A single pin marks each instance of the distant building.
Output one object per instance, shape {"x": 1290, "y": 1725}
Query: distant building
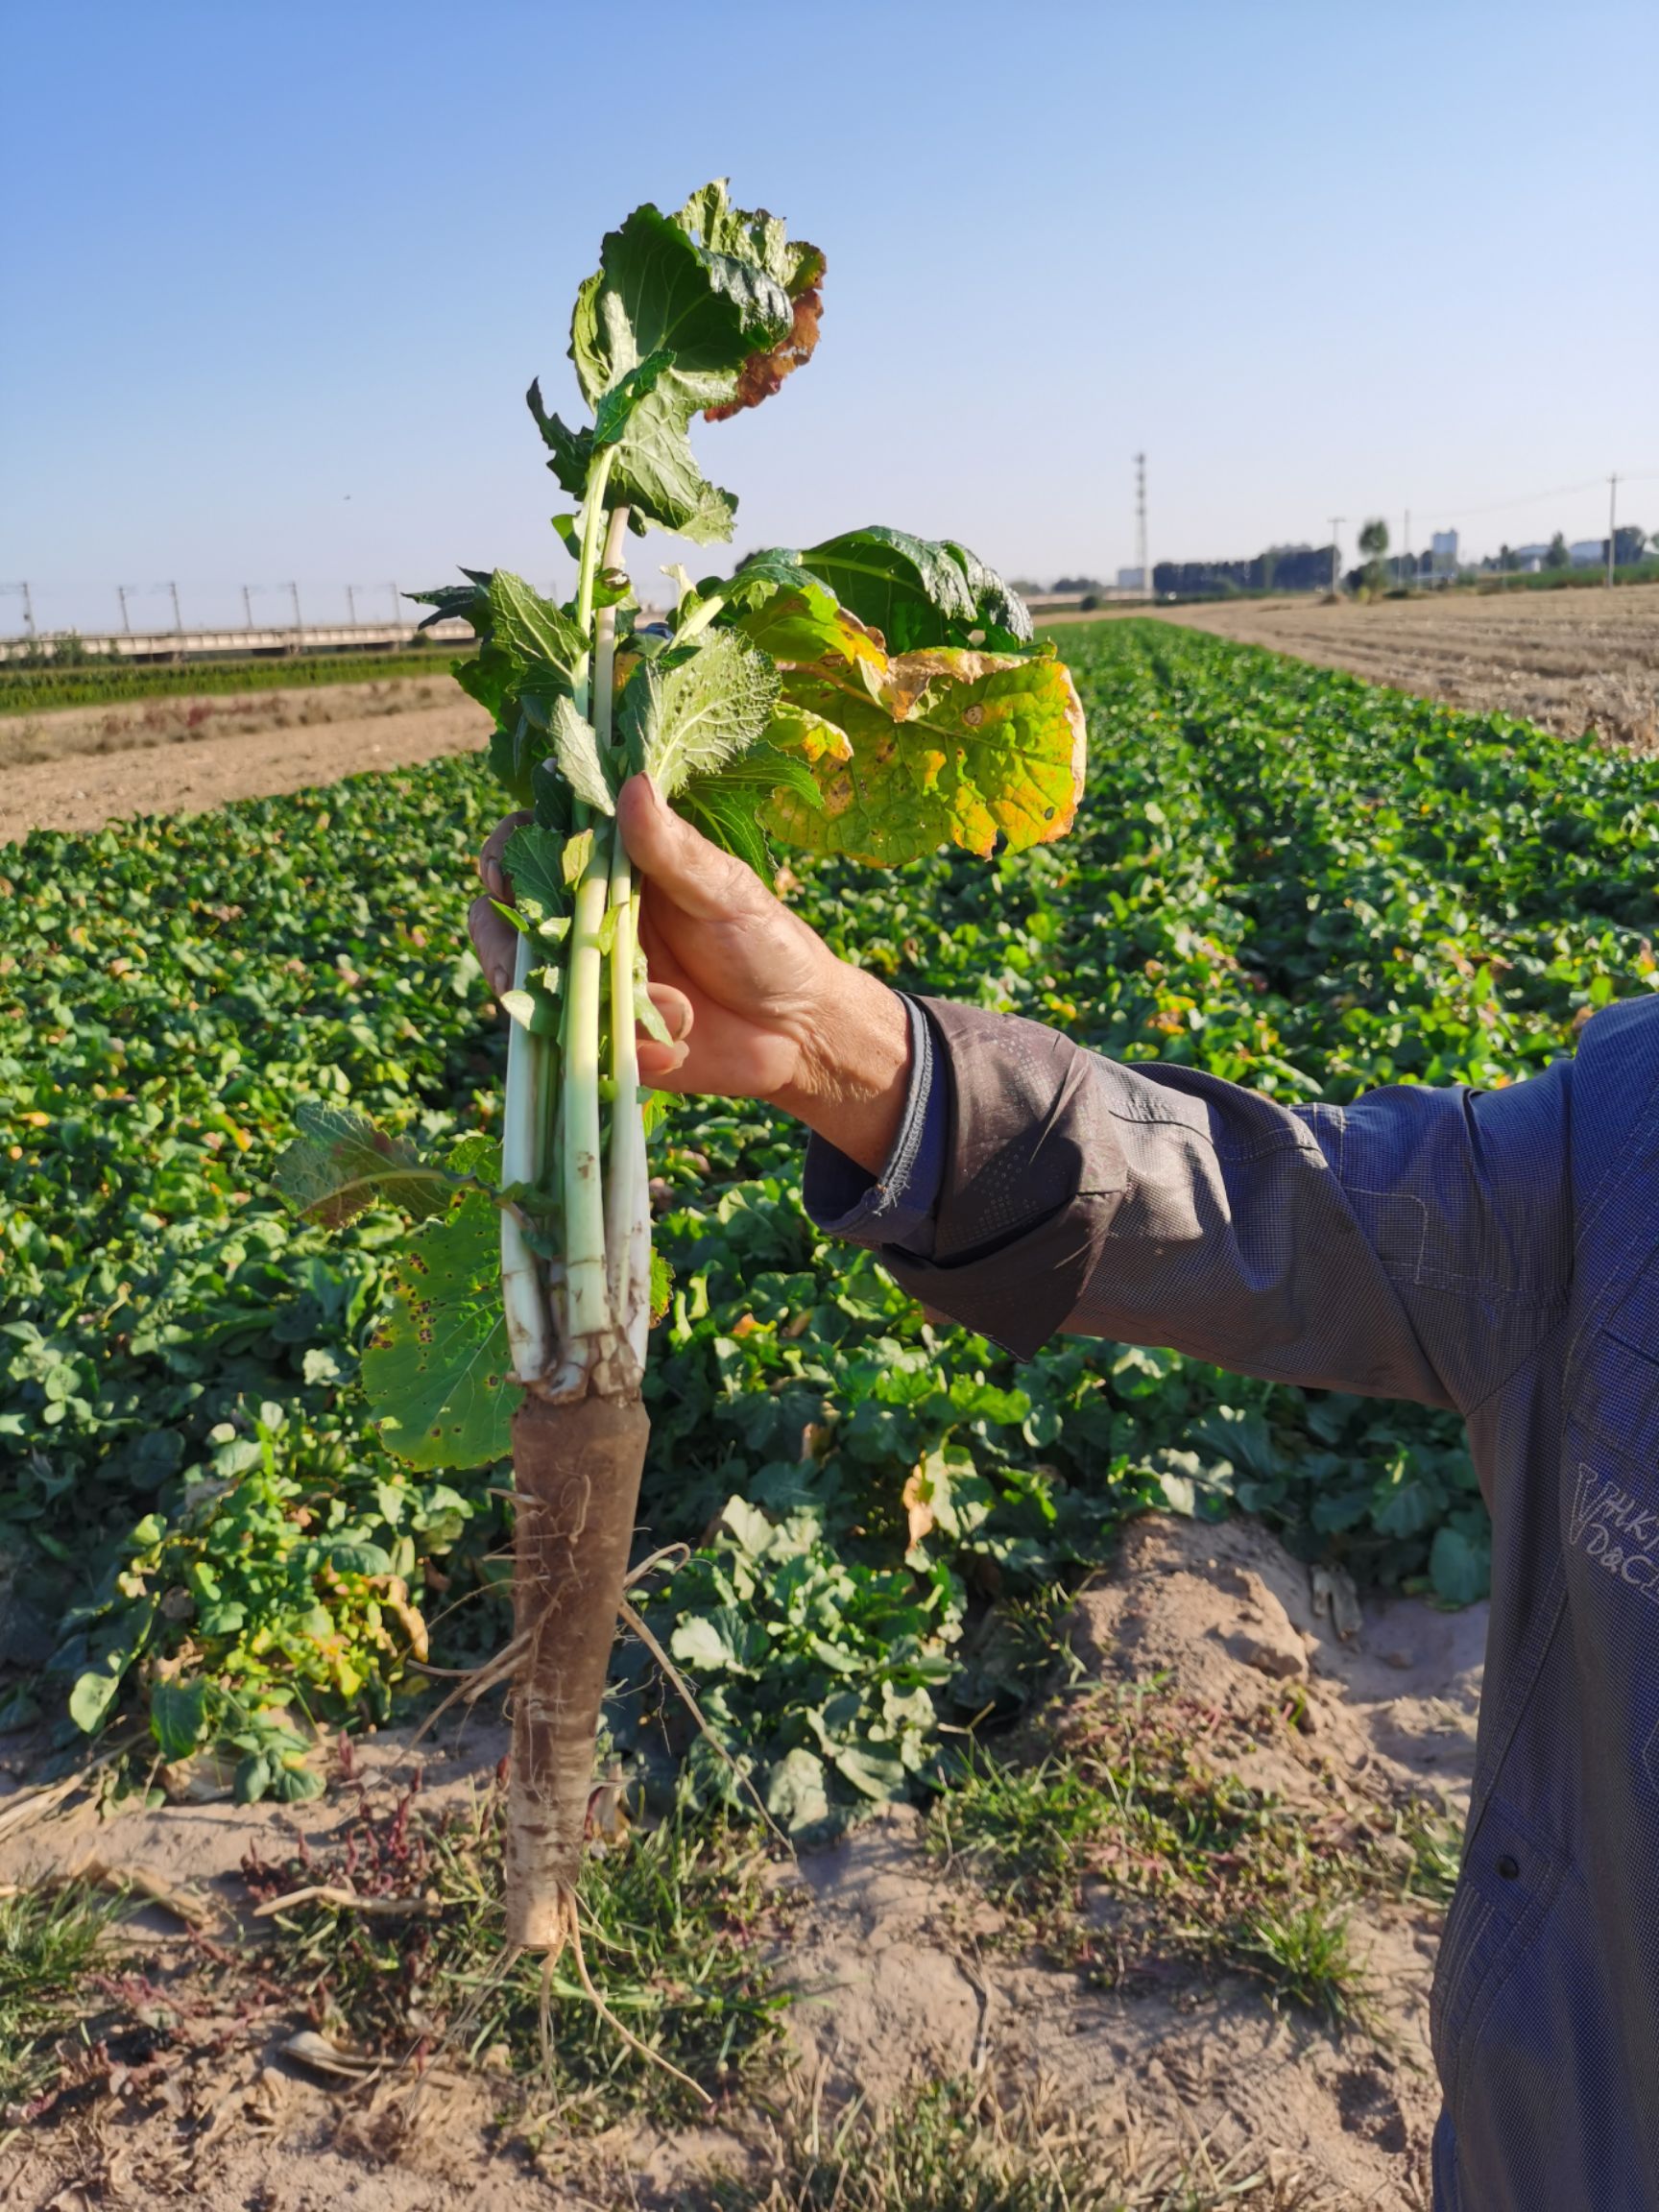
{"x": 1131, "y": 579}
{"x": 1443, "y": 553}
{"x": 1587, "y": 552}
{"x": 1528, "y": 559}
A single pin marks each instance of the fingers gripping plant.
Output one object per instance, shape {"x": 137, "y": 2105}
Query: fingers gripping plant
{"x": 873, "y": 696}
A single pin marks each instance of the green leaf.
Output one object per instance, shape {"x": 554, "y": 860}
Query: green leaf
{"x": 727, "y": 806}
{"x": 576, "y": 753}
{"x": 179, "y": 1717}
{"x": 656, "y": 473}
{"x": 340, "y": 1162}
{"x": 956, "y": 748}
{"x": 710, "y": 293}
{"x": 535, "y": 631}
{"x": 535, "y": 862}
{"x": 90, "y": 1699}
{"x": 873, "y": 1770}
{"x": 291, "y": 1783}
{"x": 572, "y": 450}
{"x": 795, "y": 1794}
{"x": 252, "y": 1778}
{"x": 611, "y": 415}
{"x": 681, "y": 719}
{"x": 438, "y": 1374}
{"x": 919, "y": 594}
{"x": 790, "y": 614}
{"x": 468, "y": 601}
{"x": 356, "y": 1557}
{"x": 723, "y": 1641}
{"x": 658, "y": 290}
{"x": 998, "y": 607}
{"x": 1459, "y": 1572}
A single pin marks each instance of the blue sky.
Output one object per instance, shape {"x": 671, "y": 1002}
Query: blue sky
{"x": 276, "y": 276}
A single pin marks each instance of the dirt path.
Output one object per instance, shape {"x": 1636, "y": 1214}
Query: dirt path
{"x": 1573, "y": 660}
{"x": 84, "y": 767}
{"x": 899, "y": 1965}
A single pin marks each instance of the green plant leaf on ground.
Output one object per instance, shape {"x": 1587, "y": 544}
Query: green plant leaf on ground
{"x": 1281, "y": 876}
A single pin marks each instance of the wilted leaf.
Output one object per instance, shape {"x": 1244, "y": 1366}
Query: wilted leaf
{"x": 340, "y": 1162}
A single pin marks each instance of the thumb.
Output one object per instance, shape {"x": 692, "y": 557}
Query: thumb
{"x": 701, "y": 879}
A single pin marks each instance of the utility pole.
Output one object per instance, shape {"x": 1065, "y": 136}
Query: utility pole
{"x": 247, "y": 608}
{"x": 397, "y": 605}
{"x": 1612, "y": 527}
{"x": 28, "y": 605}
{"x": 1147, "y": 592}
{"x": 121, "y": 591}
{"x": 351, "y": 605}
{"x": 1336, "y": 522}
{"x": 1406, "y": 547}
{"x": 299, "y": 626}
{"x": 177, "y": 618}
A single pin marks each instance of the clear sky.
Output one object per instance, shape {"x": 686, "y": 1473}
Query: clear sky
{"x": 276, "y": 273}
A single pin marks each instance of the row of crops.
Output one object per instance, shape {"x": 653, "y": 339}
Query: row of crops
{"x": 40, "y": 688}
{"x": 1283, "y": 874}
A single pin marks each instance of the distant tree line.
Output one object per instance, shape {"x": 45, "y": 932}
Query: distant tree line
{"x": 1280, "y": 568}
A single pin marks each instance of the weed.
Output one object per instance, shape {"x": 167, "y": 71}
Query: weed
{"x": 671, "y": 1927}
{"x": 1301, "y": 1952}
{"x": 956, "y": 2146}
{"x": 1435, "y": 1835}
{"x": 1127, "y": 1843}
{"x": 49, "y": 1940}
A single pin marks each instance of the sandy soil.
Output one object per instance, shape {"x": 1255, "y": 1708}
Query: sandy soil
{"x": 1573, "y": 661}
{"x": 83, "y": 766}
{"x": 892, "y": 1960}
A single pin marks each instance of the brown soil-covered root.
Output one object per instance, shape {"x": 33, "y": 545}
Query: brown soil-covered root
{"x": 576, "y": 1473}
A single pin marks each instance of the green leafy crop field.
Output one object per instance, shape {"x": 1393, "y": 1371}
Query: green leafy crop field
{"x": 1280, "y": 873}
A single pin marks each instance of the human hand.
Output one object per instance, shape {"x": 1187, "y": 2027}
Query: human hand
{"x": 757, "y": 1004}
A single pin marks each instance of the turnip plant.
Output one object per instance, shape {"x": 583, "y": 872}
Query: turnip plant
{"x": 874, "y": 696}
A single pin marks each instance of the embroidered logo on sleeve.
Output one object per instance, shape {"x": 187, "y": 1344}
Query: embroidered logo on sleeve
{"x": 1611, "y": 1526}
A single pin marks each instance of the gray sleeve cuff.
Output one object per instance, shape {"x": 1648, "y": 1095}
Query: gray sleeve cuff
{"x": 897, "y": 1209}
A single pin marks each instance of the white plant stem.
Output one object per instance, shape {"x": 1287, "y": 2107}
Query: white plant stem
{"x": 627, "y": 1197}
{"x": 605, "y": 1288}
{"x": 587, "y": 1290}
{"x": 523, "y": 1123}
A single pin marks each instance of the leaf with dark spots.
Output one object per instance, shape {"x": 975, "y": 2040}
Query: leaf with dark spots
{"x": 438, "y": 1379}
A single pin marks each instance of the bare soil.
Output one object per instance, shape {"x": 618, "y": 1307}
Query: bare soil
{"x": 81, "y": 766}
{"x": 1573, "y": 660}
{"x": 895, "y": 1961}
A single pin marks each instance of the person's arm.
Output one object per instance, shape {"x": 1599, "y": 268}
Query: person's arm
{"x": 1415, "y": 1245}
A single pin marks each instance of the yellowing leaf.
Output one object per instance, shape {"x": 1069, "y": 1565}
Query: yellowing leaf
{"x": 946, "y": 746}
